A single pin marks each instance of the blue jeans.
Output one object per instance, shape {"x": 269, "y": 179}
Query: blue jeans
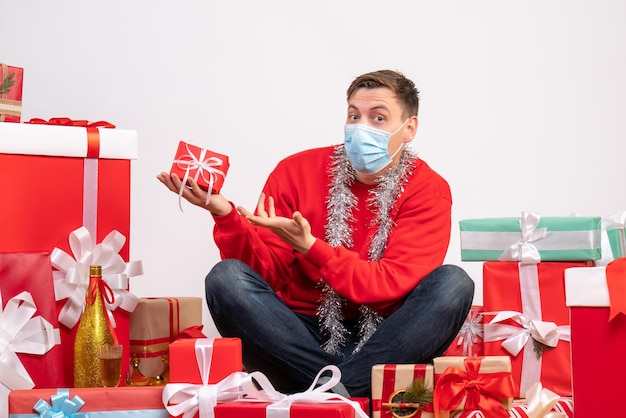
{"x": 286, "y": 346}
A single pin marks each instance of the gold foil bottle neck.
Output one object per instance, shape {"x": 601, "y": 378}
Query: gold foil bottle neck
{"x": 95, "y": 271}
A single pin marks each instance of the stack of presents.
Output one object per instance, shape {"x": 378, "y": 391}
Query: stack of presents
{"x": 547, "y": 336}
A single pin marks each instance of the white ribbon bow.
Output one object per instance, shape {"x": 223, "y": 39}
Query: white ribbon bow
{"x": 515, "y": 338}
{"x": 523, "y": 251}
{"x": 281, "y": 403}
{"x": 204, "y": 167}
{"x": 471, "y": 332}
{"x": 540, "y": 402}
{"x": 187, "y": 398}
{"x": 22, "y": 332}
{"x": 72, "y": 278}
{"x": 617, "y": 221}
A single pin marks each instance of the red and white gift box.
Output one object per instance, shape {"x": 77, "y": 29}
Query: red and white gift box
{"x": 525, "y": 311}
{"x": 136, "y": 402}
{"x": 388, "y": 379}
{"x": 11, "y": 83}
{"x": 469, "y": 341}
{"x": 87, "y": 169}
{"x": 201, "y": 366}
{"x": 206, "y": 167}
{"x": 30, "y": 355}
{"x": 238, "y": 409}
{"x": 597, "y": 300}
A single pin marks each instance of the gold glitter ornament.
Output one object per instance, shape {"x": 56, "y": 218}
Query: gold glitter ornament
{"x": 93, "y": 331}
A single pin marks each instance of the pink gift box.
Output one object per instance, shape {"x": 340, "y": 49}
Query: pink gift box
{"x": 121, "y": 401}
{"x": 206, "y": 167}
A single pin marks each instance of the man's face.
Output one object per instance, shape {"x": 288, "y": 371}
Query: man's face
{"x": 379, "y": 108}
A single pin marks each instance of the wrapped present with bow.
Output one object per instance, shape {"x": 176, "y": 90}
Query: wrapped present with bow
{"x": 30, "y": 351}
{"x": 203, "y": 372}
{"x": 531, "y": 239}
{"x": 86, "y": 166}
{"x": 11, "y": 81}
{"x": 154, "y": 324}
{"x": 596, "y": 297}
{"x": 262, "y": 400}
{"x": 469, "y": 340}
{"x": 473, "y": 383}
{"x": 526, "y": 318}
{"x": 206, "y": 167}
{"x": 401, "y": 390}
{"x": 136, "y": 402}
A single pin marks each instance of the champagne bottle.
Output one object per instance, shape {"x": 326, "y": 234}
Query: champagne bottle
{"x": 93, "y": 331}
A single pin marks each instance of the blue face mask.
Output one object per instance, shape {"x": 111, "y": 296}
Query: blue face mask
{"x": 367, "y": 147}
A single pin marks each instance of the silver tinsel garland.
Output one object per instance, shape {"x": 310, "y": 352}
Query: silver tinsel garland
{"x": 340, "y": 204}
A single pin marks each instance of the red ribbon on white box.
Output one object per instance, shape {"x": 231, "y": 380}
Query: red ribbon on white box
{"x": 72, "y": 278}
{"x": 531, "y": 328}
{"x": 22, "y": 332}
{"x": 186, "y": 398}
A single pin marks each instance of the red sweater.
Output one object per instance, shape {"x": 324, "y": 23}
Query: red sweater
{"x": 417, "y": 244}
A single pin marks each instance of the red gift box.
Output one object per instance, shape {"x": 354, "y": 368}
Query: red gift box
{"x": 225, "y": 359}
{"x": 85, "y": 168}
{"x": 388, "y": 379}
{"x": 564, "y": 406}
{"x": 236, "y": 409}
{"x": 469, "y": 341}
{"x": 132, "y": 401}
{"x": 11, "y": 80}
{"x": 206, "y": 167}
{"x": 598, "y": 340}
{"x": 42, "y": 367}
{"x": 531, "y": 301}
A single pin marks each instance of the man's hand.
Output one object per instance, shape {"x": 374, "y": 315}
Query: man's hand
{"x": 218, "y": 205}
{"x": 295, "y": 231}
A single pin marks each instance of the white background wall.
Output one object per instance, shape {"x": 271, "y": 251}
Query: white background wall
{"x": 522, "y": 102}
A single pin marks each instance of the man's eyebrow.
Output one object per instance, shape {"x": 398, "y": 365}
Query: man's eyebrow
{"x": 377, "y": 107}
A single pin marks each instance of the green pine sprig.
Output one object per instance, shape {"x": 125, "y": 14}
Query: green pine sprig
{"x": 539, "y": 348}
{"x": 416, "y": 392}
{"x": 7, "y": 83}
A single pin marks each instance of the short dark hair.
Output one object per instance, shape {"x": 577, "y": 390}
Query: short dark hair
{"x": 402, "y": 87}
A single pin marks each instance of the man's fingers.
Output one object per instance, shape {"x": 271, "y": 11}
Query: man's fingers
{"x": 270, "y": 207}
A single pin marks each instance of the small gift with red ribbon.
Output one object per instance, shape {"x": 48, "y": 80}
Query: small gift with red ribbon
{"x": 531, "y": 238}
{"x": 526, "y": 318}
{"x": 473, "y": 383}
{"x": 469, "y": 341}
{"x": 596, "y": 297}
{"x": 144, "y": 402}
{"x": 203, "y": 372}
{"x": 11, "y": 81}
{"x": 390, "y": 384}
{"x": 154, "y": 324}
{"x": 83, "y": 165}
{"x": 206, "y": 167}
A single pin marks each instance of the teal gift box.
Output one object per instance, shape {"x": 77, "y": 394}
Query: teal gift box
{"x": 531, "y": 239}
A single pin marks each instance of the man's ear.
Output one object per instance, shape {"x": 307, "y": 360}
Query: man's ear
{"x": 411, "y": 130}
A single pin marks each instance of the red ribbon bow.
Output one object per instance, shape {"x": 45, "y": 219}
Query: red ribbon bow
{"x": 71, "y": 122}
{"x": 480, "y": 391}
{"x": 108, "y": 297}
{"x": 616, "y": 283}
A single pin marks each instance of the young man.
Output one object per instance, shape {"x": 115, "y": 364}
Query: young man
{"x": 342, "y": 261}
